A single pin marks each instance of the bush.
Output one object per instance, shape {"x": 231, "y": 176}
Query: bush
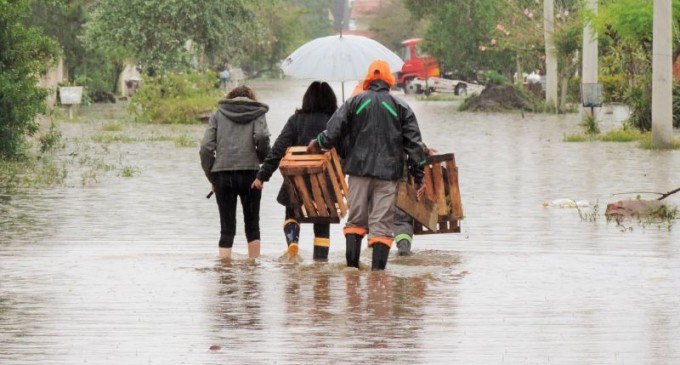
{"x": 613, "y": 87}
{"x": 492, "y": 77}
{"x": 175, "y": 98}
{"x": 21, "y": 100}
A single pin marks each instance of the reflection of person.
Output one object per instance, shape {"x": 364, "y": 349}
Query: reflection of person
{"x": 403, "y": 223}
{"x": 318, "y": 104}
{"x": 235, "y": 142}
{"x": 381, "y": 128}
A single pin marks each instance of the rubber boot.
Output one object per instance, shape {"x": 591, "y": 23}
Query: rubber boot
{"x": 353, "y": 249}
{"x": 291, "y": 229}
{"x": 320, "y": 253}
{"x": 404, "y": 248}
{"x": 381, "y": 252}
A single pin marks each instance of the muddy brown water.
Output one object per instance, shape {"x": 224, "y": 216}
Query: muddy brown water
{"x": 123, "y": 270}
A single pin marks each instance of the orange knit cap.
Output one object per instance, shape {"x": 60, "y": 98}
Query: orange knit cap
{"x": 379, "y": 70}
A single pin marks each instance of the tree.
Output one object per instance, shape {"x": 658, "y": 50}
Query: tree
{"x": 26, "y": 53}
{"x": 281, "y": 33}
{"x": 457, "y": 34}
{"x": 393, "y": 24}
{"x": 626, "y": 26}
{"x": 166, "y": 35}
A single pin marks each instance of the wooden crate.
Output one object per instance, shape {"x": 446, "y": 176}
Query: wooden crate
{"x": 316, "y": 185}
{"x": 440, "y": 209}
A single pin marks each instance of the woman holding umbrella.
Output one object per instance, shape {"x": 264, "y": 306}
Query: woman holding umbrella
{"x": 318, "y": 104}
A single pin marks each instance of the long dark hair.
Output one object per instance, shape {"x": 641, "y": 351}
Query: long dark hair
{"x": 243, "y": 91}
{"x": 319, "y": 98}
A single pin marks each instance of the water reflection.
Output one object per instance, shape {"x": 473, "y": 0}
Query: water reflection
{"x": 124, "y": 271}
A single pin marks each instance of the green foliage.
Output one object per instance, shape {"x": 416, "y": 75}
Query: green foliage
{"x": 647, "y": 143}
{"x": 492, "y": 77}
{"x": 613, "y": 87}
{"x": 393, "y": 24}
{"x": 281, "y": 33}
{"x": 167, "y": 35}
{"x": 589, "y": 125}
{"x": 175, "y": 98}
{"x": 52, "y": 140}
{"x": 448, "y": 36}
{"x": 639, "y": 98}
{"x": 622, "y": 135}
{"x": 26, "y": 53}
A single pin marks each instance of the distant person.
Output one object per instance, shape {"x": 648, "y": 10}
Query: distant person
{"x": 224, "y": 78}
{"x": 234, "y": 144}
{"x": 381, "y": 129}
{"x": 318, "y": 104}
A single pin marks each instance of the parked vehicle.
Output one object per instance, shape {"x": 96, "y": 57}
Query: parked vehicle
{"x": 421, "y": 73}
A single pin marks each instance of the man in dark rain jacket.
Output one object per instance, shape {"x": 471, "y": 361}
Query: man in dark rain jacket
{"x": 380, "y": 129}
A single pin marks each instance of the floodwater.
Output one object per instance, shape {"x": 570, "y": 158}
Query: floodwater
{"x": 125, "y": 270}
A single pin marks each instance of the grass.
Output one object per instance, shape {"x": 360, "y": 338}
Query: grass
{"x": 128, "y": 171}
{"x": 112, "y": 127}
{"x": 185, "y": 141}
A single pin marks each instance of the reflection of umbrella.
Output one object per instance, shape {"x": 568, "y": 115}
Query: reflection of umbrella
{"x": 338, "y": 58}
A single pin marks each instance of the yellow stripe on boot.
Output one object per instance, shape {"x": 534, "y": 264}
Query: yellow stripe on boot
{"x": 322, "y": 241}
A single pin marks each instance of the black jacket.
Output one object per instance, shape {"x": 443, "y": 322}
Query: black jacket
{"x": 381, "y": 128}
{"x": 298, "y": 131}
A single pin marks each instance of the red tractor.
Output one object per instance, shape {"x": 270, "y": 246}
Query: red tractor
{"x": 416, "y": 65}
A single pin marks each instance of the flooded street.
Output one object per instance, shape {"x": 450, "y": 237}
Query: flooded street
{"x": 124, "y": 270}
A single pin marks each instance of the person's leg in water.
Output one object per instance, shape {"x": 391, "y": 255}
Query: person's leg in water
{"x": 357, "y": 218}
{"x": 226, "y": 198}
{"x": 291, "y": 229}
{"x": 322, "y": 241}
{"x": 381, "y": 222}
{"x": 250, "y": 202}
{"x": 403, "y": 232}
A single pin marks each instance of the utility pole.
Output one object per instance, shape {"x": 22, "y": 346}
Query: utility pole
{"x": 662, "y": 75}
{"x": 590, "y": 59}
{"x": 550, "y": 54}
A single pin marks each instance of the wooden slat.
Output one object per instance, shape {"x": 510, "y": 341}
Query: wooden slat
{"x": 300, "y": 170}
{"x": 323, "y": 183}
{"x": 439, "y": 158}
{"x": 318, "y": 220}
{"x": 301, "y": 187}
{"x": 338, "y": 171}
{"x": 294, "y": 150}
{"x": 292, "y": 196}
{"x": 338, "y": 193}
{"x": 454, "y": 191}
{"x": 307, "y": 157}
{"x": 429, "y": 189}
{"x": 423, "y": 210}
{"x": 318, "y": 196}
{"x": 440, "y": 194}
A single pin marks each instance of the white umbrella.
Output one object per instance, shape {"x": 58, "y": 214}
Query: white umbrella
{"x": 338, "y": 58}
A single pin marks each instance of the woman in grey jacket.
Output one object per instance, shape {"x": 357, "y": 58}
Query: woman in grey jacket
{"x": 235, "y": 143}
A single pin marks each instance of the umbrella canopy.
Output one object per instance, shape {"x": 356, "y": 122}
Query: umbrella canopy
{"x": 338, "y": 58}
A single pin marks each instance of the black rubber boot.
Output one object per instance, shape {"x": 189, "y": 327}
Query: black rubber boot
{"x": 353, "y": 249}
{"x": 404, "y": 248}
{"x": 320, "y": 253}
{"x": 381, "y": 252}
{"x": 292, "y": 231}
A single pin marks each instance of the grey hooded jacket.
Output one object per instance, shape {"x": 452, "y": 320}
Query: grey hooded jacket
{"x": 237, "y": 137}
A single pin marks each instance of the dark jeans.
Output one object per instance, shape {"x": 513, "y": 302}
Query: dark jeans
{"x": 228, "y": 186}
{"x": 322, "y": 230}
